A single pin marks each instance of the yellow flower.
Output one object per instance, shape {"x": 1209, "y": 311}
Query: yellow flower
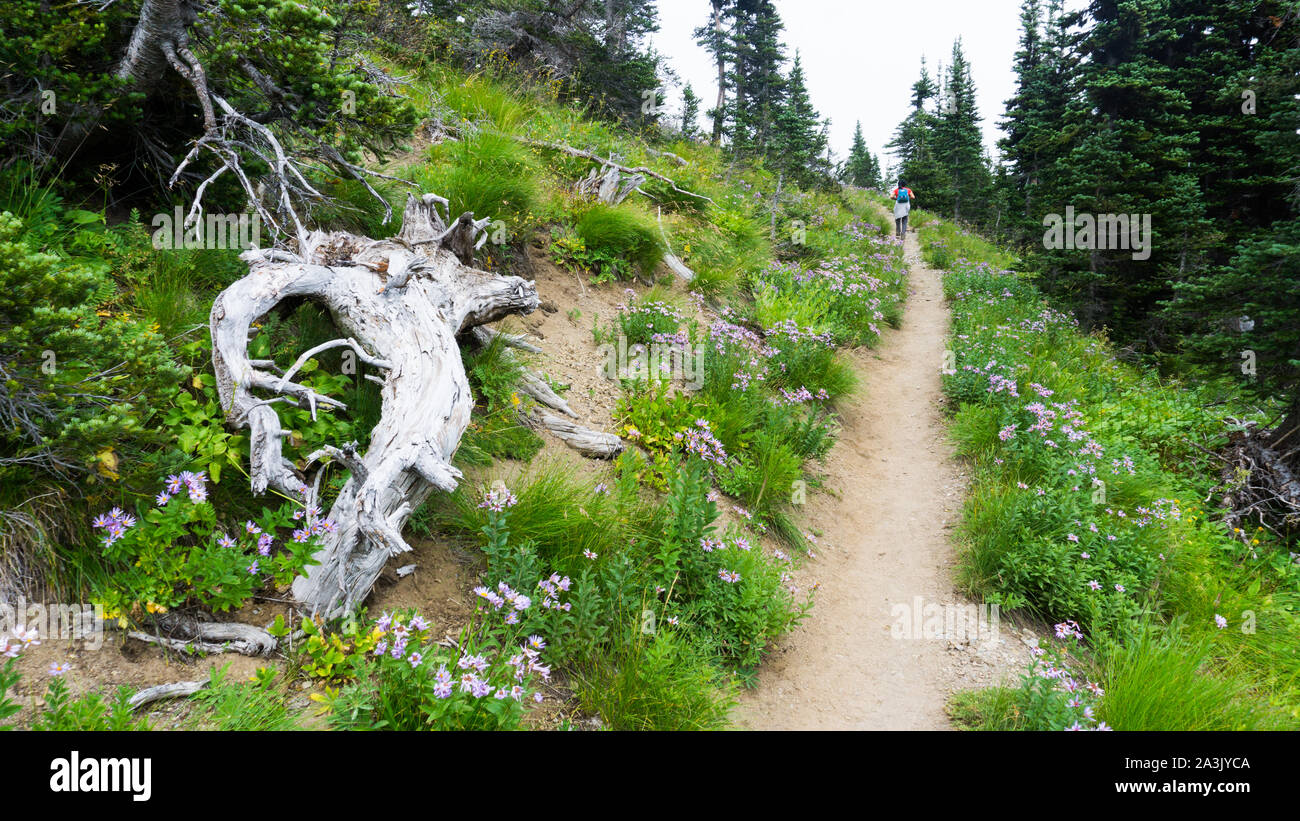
{"x": 514, "y": 399}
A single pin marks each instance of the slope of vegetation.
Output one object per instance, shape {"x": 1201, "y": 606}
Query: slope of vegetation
{"x": 1088, "y": 511}
{"x": 642, "y": 592}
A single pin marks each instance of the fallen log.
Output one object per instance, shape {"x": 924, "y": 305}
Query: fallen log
{"x": 588, "y": 442}
{"x": 674, "y": 263}
{"x": 188, "y": 636}
{"x": 484, "y": 336}
{"x": 179, "y": 689}
{"x": 608, "y": 161}
{"x": 536, "y": 387}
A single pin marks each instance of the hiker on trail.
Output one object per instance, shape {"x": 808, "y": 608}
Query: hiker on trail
{"x": 902, "y": 197}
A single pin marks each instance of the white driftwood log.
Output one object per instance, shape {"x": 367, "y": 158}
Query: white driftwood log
{"x": 588, "y": 442}
{"x": 401, "y": 301}
{"x": 484, "y": 335}
{"x": 179, "y": 689}
{"x": 608, "y": 184}
{"x": 609, "y": 161}
{"x": 673, "y": 262}
{"x": 536, "y": 387}
{"x": 209, "y": 637}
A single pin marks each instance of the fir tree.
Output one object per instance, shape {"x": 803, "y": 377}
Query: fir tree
{"x": 800, "y": 137}
{"x": 755, "y": 76}
{"x": 860, "y": 168}
{"x": 716, "y": 39}
{"x": 959, "y": 147}
{"x": 690, "y": 113}
{"x": 913, "y": 142}
{"x": 1129, "y": 153}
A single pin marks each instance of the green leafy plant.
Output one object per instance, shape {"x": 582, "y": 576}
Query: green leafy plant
{"x": 256, "y": 706}
{"x": 176, "y": 555}
{"x": 90, "y": 712}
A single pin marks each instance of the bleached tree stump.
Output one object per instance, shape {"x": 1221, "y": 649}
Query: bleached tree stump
{"x": 400, "y": 302}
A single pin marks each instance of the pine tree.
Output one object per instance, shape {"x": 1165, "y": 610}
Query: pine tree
{"x": 959, "y": 146}
{"x": 716, "y": 39}
{"x": 800, "y": 137}
{"x": 860, "y": 168}
{"x": 1245, "y": 311}
{"x": 690, "y": 113}
{"x": 755, "y": 76}
{"x": 913, "y": 143}
{"x": 1128, "y": 154}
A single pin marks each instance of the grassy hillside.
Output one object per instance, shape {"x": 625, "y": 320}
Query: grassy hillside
{"x": 1091, "y": 508}
{"x": 650, "y": 587}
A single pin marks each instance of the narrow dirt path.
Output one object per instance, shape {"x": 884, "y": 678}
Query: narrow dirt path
{"x": 895, "y": 491}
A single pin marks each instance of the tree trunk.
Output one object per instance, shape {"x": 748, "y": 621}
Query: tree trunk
{"x": 160, "y": 27}
{"x": 722, "y": 73}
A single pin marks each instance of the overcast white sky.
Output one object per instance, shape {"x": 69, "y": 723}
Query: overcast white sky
{"x": 862, "y": 56}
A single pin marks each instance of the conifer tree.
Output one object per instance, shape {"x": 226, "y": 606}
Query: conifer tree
{"x": 1242, "y": 317}
{"x": 1129, "y": 153}
{"x": 690, "y": 113}
{"x": 913, "y": 143}
{"x": 800, "y": 139}
{"x": 757, "y": 55}
{"x": 860, "y": 168}
{"x": 959, "y": 147}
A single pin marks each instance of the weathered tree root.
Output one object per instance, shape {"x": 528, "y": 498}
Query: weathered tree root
{"x": 536, "y": 387}
{"x": 1261, "y": 486}
{"x": 179, "y": 689}
{"x": 673, "y": 261}
{"x": 401, "y": 302}
{"x": 186, "y": 635}
{"x": 608, "y": 162}
{"x": 590, "y": 443}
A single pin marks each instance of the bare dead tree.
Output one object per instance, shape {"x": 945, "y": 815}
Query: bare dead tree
{"x": 401, "y": 303}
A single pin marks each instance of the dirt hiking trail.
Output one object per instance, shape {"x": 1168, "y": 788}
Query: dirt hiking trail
{"x": 894, "y": 493}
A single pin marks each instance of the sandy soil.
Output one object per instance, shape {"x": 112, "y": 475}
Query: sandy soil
{"x": 894, "y": 492}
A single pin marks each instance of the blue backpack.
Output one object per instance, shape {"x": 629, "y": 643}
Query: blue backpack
{"x": 902, "y": 194}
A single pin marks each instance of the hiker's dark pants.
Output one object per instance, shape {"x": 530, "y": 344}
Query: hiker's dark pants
{"x": 900, "y": 225}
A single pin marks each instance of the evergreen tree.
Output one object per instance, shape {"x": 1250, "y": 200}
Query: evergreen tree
{"x": 1128, "y": 154}
{"x": 800, "y": 137}
{"x": 1033, "y": 115}
{"x": 1250, "y": 305}
{"x": 690, "y": 113}
{"x": 716, "y": 39}
{"x": 959, "y": 146}
{"x": 755, "y": 76}
{"x": 913, "y": 143}
{"x": 860, "y": 168}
